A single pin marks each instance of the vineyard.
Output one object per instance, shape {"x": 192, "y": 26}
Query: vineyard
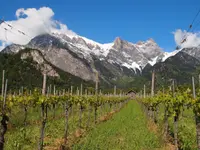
{"x": 48, "y": 118}
{"x": 108, "y": 83}
{"x": 177, "y": 112}
{"x": 35, "y": 119}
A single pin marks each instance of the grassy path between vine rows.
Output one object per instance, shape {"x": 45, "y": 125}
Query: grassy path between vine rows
{"x": 127, "y": 130}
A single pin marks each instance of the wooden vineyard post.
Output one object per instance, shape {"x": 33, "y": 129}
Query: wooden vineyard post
{"x": 54, "y": 105}
{"x": 54, "y": 90}
{"x": 175, "y": 120}
{"x": 43, "y": 114}
{"x": 77, "y": 91}
{"x": 115, "y": 90}
{"x": 110, "y": 104}
{"x": 63, "y": 92}
{"x": 197, "y": 117}
{"x": 152, "y": 83}
{"x": 144, "y": 96}
{"x": 115, "y": 93}
{"x": 193, "y": 88}
{"x": 152, "y": 93}
{"x": 71, "y": 108}
{"x": 166, "y": 124}
{"x": 3, "y": 78}
{"x": 199, "y": 80}
{"x": 5, "y": 119}
{"x": 144, "y": 91}
{"x": 81, "y": 107}
{"x": 67, "y": 107}
{"x": 89, "y": 112}
{"x": 96, "y": 95}
{"x": 166, "y": 115}
{"x": 25, "y": 108}
{"x": 5, "y": 94}
{"x": 120, "y": 95}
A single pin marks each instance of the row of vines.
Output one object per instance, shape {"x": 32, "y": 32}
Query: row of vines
{"x": 172, "y": 105}
{"x": 48, "y": 102}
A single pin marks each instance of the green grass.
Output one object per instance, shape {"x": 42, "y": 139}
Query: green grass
{"x": 15, "y": 139}
{"x": 126, "y": 130}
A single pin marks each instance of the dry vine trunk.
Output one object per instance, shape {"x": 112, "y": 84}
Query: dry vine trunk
{"x": 66, "y": 123}
{"x": 197, "y": 119}
{"x": 44, "y": 119}
{"x": 176, "y": 131}
{"x": 4, "y": 121}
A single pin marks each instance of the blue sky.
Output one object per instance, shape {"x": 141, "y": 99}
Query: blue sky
{"x": 104, "y": 20}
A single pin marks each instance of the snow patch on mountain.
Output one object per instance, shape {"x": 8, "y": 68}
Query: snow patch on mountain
{"x": 85, "y": 44}
{"x": 133, "y": 66}
{"x": 153, "y": 61}
{"x": 106, "y": 48}
{"x": 170, "y": 54}
{"x": 103, "y": 50}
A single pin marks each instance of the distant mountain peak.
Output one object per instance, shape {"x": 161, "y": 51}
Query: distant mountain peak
{"x": 118, "y": 43}
{"x": 140, "y": 43}
{"x": 151, "y": 40}
{"x": 118, "y": 40}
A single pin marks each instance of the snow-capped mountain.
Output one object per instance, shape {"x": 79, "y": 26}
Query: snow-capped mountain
{"x": 86, "y": 46}
{"x": 120, "y": 52}
{"x": 163, "y": 56}
{"x": 82, "y": 57}
{"x": 193, "y": 51}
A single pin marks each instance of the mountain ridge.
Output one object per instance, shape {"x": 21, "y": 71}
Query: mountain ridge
{"x": 90, "y": 46}
{"x": 82, "y": 57}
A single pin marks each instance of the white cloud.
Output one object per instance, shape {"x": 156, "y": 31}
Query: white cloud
{"x": 32, "y": 22}
{"x": 192, "y": 39}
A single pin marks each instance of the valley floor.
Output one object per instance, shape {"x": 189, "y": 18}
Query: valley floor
{"x": 127, "y": 130}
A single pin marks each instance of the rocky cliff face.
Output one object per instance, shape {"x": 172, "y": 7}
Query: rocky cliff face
{"x": 193, "y": 51}
{"x": 42, "y": 65}
{"x": 126, "y": 54}
{"x": 63, "y": 56}
{"x": 150, "y": 49}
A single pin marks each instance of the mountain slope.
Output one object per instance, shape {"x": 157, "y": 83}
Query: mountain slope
{"x": 180, "y": 67}
{"x": 193, "y": 51}
{"x": 22, "y": 69}
{"x": 28, "y": 64}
